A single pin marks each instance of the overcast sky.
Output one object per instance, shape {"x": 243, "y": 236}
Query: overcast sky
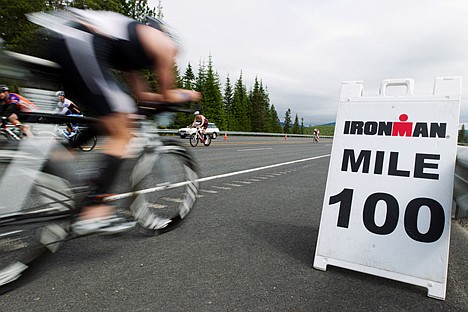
{"x": 303, "y": 50}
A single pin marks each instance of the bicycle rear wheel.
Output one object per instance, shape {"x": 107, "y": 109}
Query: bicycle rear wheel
{"x": 194, "y": 140}
{"x": 165, "y": 184}
{"x": 40, "y": 226}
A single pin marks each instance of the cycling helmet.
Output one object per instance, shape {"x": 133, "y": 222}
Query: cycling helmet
{"x": 158, "y": 24}
{"x": 4, "y": 88}
{"x": 59, "y": 93}
{"x": 197, "y": 113}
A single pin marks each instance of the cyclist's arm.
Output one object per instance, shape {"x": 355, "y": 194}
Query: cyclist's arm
{"x": 140, "y": 88}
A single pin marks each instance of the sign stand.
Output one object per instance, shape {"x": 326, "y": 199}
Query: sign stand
{"x": 388, "y": 199}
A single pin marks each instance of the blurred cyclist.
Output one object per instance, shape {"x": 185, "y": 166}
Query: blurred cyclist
{"x": 202, "y": 122}
{"x": 89, "y": 45}
{"x": 67, "y": 107}
{"x": 316, "y": 135}
{"x": 12, "y": 104}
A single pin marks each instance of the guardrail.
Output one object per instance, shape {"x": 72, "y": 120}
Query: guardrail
{"x": 228, "y": 133}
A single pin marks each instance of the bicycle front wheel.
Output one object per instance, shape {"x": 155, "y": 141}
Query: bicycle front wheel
{"x": 207, "y": 140}
{"x": 165, "y": 186}
{"x": 194, "y": 140}
{"x": 88, "y": 145}
{"x": 41, "y": 225}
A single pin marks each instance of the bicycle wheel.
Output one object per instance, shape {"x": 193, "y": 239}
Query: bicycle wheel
{"x": 165, "y": 186}
{"x": 194, "y": 140}
{"x": 40, "y": 226}
{"x": 207, "y": 140}
{"x": 89, "y": 145}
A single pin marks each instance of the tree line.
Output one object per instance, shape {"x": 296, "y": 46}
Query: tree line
{"x": 230, "y": 104}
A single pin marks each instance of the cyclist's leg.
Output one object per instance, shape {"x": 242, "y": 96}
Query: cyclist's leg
{"x": 94, "y": 86}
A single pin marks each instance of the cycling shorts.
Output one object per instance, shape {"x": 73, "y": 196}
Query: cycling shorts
{"x": 87, "y": 61}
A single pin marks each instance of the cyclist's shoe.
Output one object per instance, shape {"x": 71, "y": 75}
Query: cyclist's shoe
{"x": 12, "y": 272}
{"x": 107, "y": 225}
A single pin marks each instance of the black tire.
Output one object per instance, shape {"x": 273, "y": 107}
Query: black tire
{"x": 24, "y": 238}
{"x": 194, "y": 140}
{"x": 214, "y": 135}
{"x": 88, "y": 145}
{"x": 207, "y": 140}
{"x": 165, "y": 186}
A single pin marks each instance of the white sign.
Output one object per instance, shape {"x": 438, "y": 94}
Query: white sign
{"x": 387, "y": 204}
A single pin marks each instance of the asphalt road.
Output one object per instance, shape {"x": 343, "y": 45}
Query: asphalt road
{"x": 248, "y": 246}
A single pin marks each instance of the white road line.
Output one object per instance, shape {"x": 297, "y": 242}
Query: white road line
{"x": 222, "y": 187}
{"x": 260, "y": 168}
{"x": 232, "y": 184}
{"x": 209, "y": 191}
{"x": 254, "y": 149}
{"x": 242, "y": 182}
{"x": 174, "y": 200}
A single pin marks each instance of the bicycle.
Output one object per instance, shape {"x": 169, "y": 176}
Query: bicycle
{"x": 197, "y": 137}
{"x": 9, "y": 132}
{"x": 316, "y": 138}
{"x": 86, "y": 146}
{"x": 41, "y": 223}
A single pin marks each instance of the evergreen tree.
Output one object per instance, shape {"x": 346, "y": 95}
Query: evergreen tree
{"x": 241, "y": 107}
{"x": 228, "y": 101}
{"x": 189, "y": 78}
{"x": 287, "y": 122}
{"x": 302, "y": 125}
{"x": 211, "y": 104}
{"x": 274, "y": 120}
{"x": 17, "y": 32}
{"x": 461, "y": 134}
{"x": 137, "y": 9}
{"x": 295, "y": 128}
{"x": 259, "y": 108}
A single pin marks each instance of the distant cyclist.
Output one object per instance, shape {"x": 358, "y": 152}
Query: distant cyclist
{"x": 12, "y": 104}
{"x": 67, "y": 107}
{"x": 316, "y": 135}
{"x": 201, "y": 120}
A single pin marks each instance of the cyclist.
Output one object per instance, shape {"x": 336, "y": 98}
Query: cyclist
{"x": 12, "y": 104}
{"x": 316, "y": 135}
{"x": 67, "y": 107}
{"x": 89, "y": 46}
{"x": 202, "y": 122}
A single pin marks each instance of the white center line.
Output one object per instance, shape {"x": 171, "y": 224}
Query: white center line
{"x": 254, "y": 149}
{"x": 259, "y": 168}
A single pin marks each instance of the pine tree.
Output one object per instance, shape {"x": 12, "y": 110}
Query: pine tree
{"x": 228, "y": 101}
{"x": 295, "y": 128}
{"x": 461, "y": 134}
{"x": 287, "y": 122}
{"x": 137, "y": 9}
{"x": 211, "y": 104}
{"x": 188, "y": 78}
{"x": 241, "y": 107}
{"x": 259, "y": 111}
{"x": 274, "y": 120}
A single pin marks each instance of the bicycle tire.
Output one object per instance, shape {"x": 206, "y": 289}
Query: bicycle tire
{"x": 165, "y": 184}
{"x": 88, "y": 145}
{"x": 194, "y": 140}
{"x": 41, "y": 226}
{"x": 207, "y": 140}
